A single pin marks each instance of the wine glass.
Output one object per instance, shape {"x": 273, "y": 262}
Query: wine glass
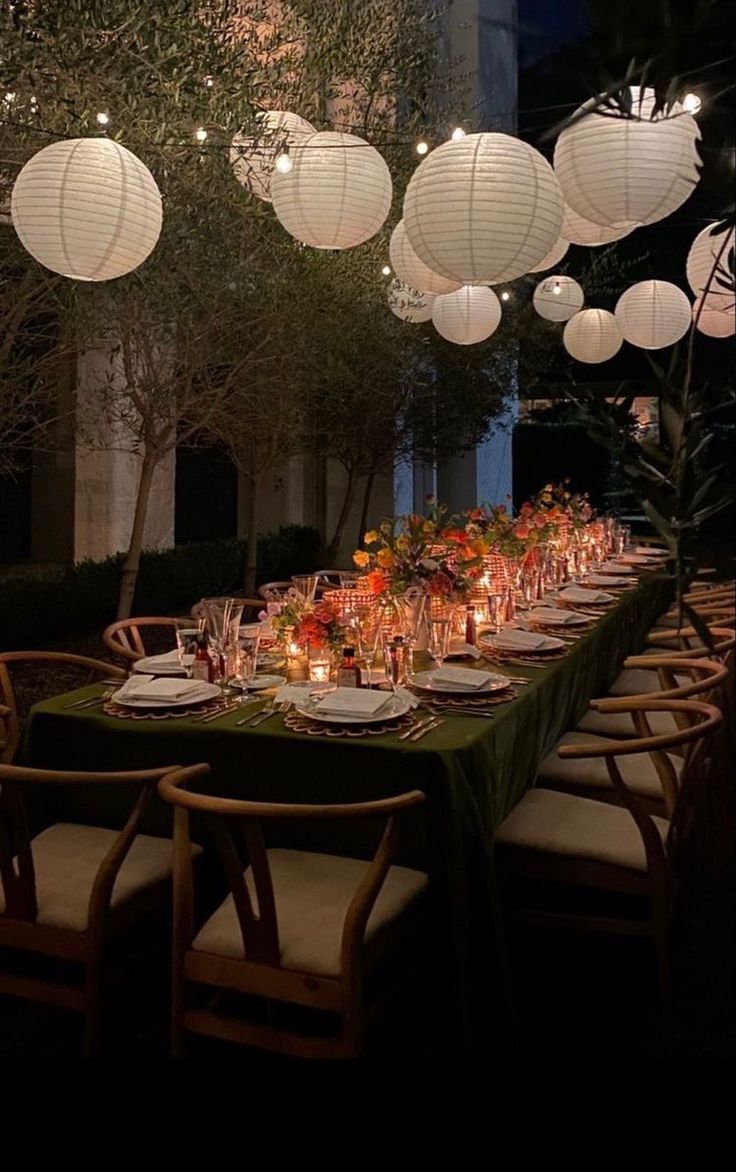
{"x": 368, "y": 630}
{"x": 440, "y": 630}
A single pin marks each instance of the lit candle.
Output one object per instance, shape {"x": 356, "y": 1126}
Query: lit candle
{"x": 319, "y": 671}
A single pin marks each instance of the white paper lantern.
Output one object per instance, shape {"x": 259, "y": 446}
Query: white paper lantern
{"x": 592, "y": 336}
{"x": 410, "y": 269}
{"x": 717, "y": 319}
{"x": 615, "y": 170}
{"x": 553, "y": 257}
{"x": 577, "y": 230}
{"x": 483, "y": 208}
{"x": 653, "y": 314}
{"x": 253, "y": 157}
{"x": 703, "y": 258}
{"x": 87, "y": 208}
{"x": 467, "y": 316}
{"x": 409, "y": 304}
{"x": 558, "y": 298}
{"x": 337, "y": 193}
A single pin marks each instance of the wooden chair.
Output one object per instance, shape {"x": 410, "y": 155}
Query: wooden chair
{"x": 124, "y": 637}
{"x": 251, "y": 608}
{"x": 73, "y": 670}
{"x": 274, "y": 591}
{"x": 553, "y": 846}
{"x": 297, "y": 928}
{"x": 68, "y": 891}
{"x": 686, "y": 643}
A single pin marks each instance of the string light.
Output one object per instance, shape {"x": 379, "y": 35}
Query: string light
{"x": 9, "y": 98}
{"x": 209, "y": 81}
{"x": 422, "y": 147}
{"x": 505, "y": 296}
{"x": 386, "y": 270}
{"x": 102, "y": 119}
{"x": 200, "y": 134}
{"x": 458, "y": 134}
{"x": 283, "y": 163}
{"x": 691, "y": 103}
{"x": 557, "y": 288}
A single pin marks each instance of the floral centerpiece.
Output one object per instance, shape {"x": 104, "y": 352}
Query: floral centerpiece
{"x": 560, "y": 504}
{"x": 428, "y": 555}
{"x": 301, "y": 621}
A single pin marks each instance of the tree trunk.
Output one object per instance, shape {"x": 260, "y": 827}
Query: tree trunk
{"x": 367, "y": 493}
{"x": 347, "y": 504}
{"x": 251, "y": 557}
{"x": 129, "y": 575}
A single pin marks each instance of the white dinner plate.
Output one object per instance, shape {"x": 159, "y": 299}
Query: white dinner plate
{"x": 573, "y": 619}
{"x": 595, "y": 598}
{"x": 617, "y": 568}
{"x": 423, "y": 680}
{"x": 153, "y": 665}
{"x": 606, "y": 580}
{"x": 549, "y": 643}
{"x": 259, "y": 683}
{"x": 638, "y": 559}
{"x": 396, "y": 706}
{"x": 208, "y": 692}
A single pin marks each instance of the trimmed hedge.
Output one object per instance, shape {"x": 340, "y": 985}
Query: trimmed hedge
{"x": 38, "y": 608}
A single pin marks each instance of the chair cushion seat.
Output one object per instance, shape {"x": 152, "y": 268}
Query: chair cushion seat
{"x": 621, "y": 725}
{"x": 312, "y": 893}
{"x": 638, "y": 681}
{"x": 637, "y": 770}
{"x": 66, "y": 859}
{"x": 563, "y": 824}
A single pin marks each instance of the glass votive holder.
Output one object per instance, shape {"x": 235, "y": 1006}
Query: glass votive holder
{"x": 318, "y": 665}
{"x": 495, "y": 612}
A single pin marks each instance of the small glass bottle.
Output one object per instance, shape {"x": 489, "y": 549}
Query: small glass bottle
{"x": 202, "y": 667}
{"x": 396, "y": 661}
{"x": 348, "y": 674}
{"x": 471, "y": 632}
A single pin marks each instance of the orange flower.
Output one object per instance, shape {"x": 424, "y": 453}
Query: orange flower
{"x": 385, "y": 559}
{"x": 361, "y": 558}
{"x": 377, "y": 582}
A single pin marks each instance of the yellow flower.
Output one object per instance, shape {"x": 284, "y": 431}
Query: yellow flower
{"x": 385, "y": 559}
{"x": 361, "y": 558}
{"x": 402, "y": 543}
{"x": 370, "y": 537}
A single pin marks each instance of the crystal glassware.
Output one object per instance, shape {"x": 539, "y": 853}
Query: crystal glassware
{"x": 319, "y": 663}
{"x": 441, "y": 616}
{"x": 186, "y": 641}
{"x": 246, "y": 657}
{"x": 306, "y": 584}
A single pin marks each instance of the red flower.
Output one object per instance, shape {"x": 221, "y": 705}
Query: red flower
{"x": 440, "y": 583}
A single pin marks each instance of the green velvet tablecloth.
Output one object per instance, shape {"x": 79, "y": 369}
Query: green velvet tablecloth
{"x": 472, "y": 771}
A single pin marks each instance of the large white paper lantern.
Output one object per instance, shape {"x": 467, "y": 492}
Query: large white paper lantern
{"x": 558, "y": 298}
{"x": 708, "y": 253}
{"x": 717, "y": 319}
{"x": 653, "y": 314}
{"x": 616, "y": 170}
{"x": 409, "y": 304}
{"x": 592, "y": 336}
{"x": 87, "y": 208}
{"x": 553, "y": 257}
{"x": 467, "y": 316}
{"x": 577, "y": 230}
{"x": 413, "y": 271}
{"x": 483, "y": 208}
{"x": 253, "y": 157}
{"x": 337, "y": 193}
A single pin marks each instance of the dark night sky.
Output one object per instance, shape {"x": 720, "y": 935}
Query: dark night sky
{"x": 545, "y": 25}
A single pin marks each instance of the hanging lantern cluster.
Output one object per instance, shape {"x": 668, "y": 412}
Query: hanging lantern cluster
{"x": 558, "y": 298}
{"x": 409, "y": 304}
{"x": 408, "y": 267}
{"x": 254, "y": 157}
{"x": 653, "y": 314}
{"x": 592, "y": 336}
{"x": 469, "y": 315}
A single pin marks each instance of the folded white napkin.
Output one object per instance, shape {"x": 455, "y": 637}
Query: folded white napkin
{"x": 554, "y": 615}
{"x": 580, "y": 594}
{"x": 652, "y": 551}
{"x": 607, "y": 580}
{"x": 462, "y": 677}
{"x": 169, "y": 661}
{"x": 615, "y": 568}
{"x": 144, "y": 687}
{"x": 518, "y": 640}
{"x": 460, "y": 647}
{"x": 353, "y": 702}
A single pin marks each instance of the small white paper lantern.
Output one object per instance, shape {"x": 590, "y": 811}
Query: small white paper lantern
{"x": 337, "y": 193}
{"x": 558, "y": 298}
{"x": 409, "y": 304}
{"x": 592, "y": 336}
{"x": 653, "y": 314}
{"x": 616, "y": 170}
{"x": 703, "y": 257}
{"x": 553, "y": 257}
{"x": 467, "y": 316}
{"x": 87, "y": 208}
{"x": 577, "y": 230}
{"x": 483, "y": 208}
{"x": 413, "y": 271}
{"x": 716, "y": 319}
{"x": 253, "y": 157}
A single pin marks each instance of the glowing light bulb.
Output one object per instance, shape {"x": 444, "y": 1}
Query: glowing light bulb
{"x": 386, "y": 270}
{"x": 457, "y": 134}
{"x": 557, "y": 288}
{"x": 283, "y": 163}
{"x": 200, "y": 134}
{"x": 209, "y": 81}
{"x": 422, "y": 147}
{"x": 505, "y": 296}
{"x": 691, "y": 103}
{"x": 9, "y": 98}
{"x": 102, "y": 119}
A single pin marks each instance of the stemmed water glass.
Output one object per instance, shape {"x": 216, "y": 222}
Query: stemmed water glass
{"x": 367, "y": 626}
{"x": 440, "y": 621}
{"x": 306, "y": 584}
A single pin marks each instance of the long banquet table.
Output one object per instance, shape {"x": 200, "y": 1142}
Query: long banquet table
{"x": 472, "y": 771}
